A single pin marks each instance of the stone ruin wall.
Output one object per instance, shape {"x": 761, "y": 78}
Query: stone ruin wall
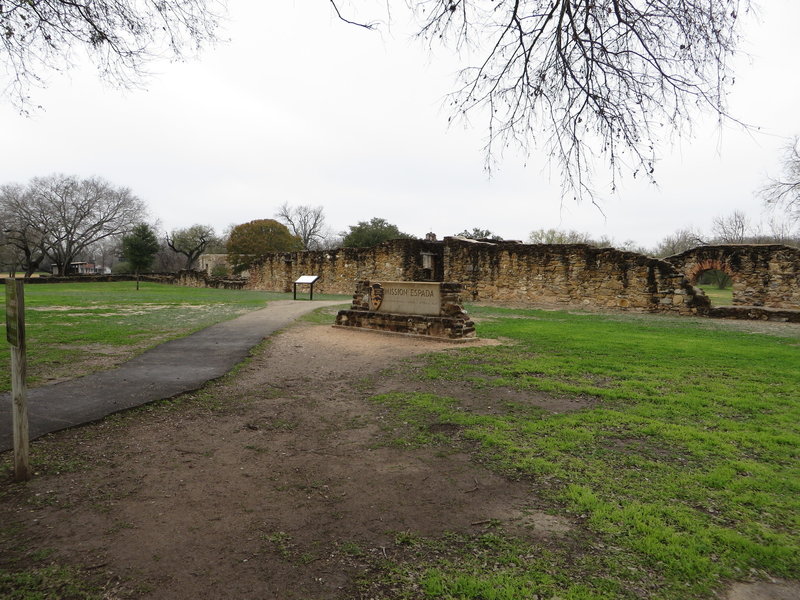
{"x": 568, "y": 274}
{"x": 763, "y": 274}
{"x": 339, "y": 269}
{"x": 505, "y": 273}
{"x": 184, "y": 278}
{"x": 209, "y": 262}
{"x": 201, "y": 279}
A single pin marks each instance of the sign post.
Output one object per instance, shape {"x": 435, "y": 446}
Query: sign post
{"x": 15, "y": 334}
{"x": 309, "y": 280}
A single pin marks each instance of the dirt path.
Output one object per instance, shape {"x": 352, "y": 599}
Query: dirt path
{"x": 267, "y": 498}
{"x": 169, "y": 369}
{"x": 274, "y": 483}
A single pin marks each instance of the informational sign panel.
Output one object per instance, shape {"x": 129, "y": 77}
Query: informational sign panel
{"x": 406, "y": 297}
{"x": 307, "y": 279}
{"x": 15, "y": 313}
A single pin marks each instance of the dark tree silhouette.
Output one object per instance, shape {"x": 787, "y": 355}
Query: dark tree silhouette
{"x": 252, "y": 241}
{"x": 39, "y": 37}
{"x": 366, "y": 234}
{"x": 62, "y": 215}
{"x": 586, "y": 79}
{"x": 191, "y": 242}
{"x": 139, "y": 248}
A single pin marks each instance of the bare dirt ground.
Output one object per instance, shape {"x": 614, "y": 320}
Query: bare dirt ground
{"x": 266, "y": 498}
{"x": 273, "y": 483}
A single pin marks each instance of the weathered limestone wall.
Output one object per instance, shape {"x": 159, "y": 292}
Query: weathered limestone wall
{"x": 763, "y": 274}
{"x": 154, "y": 277}
{"x": 396, "y": 260}
{"x": 569, "y": 274}
{"x": 208, "y": 262}
{"x": 182, "y": 278}
{"x": 204, "y": 280}
{"x": 504, "y": 272}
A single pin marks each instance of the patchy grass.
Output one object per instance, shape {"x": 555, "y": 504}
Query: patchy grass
{"x": 325, "y": 315}
{"x": 679, "y": 476}
{"x": 717, "y": 296}
{"x": 686, "y": 468}
{"x": 74, "y": 329}
{"x": 492, "y": 566}
{"x": 48, "y": 583}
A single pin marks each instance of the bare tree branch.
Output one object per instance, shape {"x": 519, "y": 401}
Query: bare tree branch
{"x": 734, "y": 228}
{"x": 40, "y": 37}
{"x": 191, "y": 242}
{"x": 61, "y": 216}
{"x": 586, "y": 80}
{"x": 348, "y": 21}
{"x": 306, "y": 223}
{"x": 785, "y": 192}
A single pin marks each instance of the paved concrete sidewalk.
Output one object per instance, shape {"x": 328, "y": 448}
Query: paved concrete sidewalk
{"x": 165, "y": 371}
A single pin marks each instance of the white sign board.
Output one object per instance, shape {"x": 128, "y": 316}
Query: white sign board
{"x": 307, "y": 279}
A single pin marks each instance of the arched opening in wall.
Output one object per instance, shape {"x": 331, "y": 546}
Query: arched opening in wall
{"x": 717, "y": 285}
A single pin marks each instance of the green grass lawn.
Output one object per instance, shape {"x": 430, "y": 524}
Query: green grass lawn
{"x": 680, "y": 476}
{"x": 717, "y": 296}
{"x": 76, "y": 328}
{"x": 683, "y": 475}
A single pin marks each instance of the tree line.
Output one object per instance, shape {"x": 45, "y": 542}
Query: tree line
{"x": 580, "y": 79}
{"x": 57, "y": 222}
{"x": 59, "y": 218}
{"x": 51, "y": 223}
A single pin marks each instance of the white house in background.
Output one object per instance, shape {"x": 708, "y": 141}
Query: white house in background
{"x": 84, "y": 268}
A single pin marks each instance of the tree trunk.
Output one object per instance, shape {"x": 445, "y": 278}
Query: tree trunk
{"x": 32, "y": 266}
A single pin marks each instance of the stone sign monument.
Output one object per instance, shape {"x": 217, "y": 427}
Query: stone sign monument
{"x": 406, "y": 297}
{"x": 412, "y": 307}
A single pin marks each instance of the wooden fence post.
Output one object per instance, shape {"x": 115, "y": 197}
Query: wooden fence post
{"x": 15, "y": 334}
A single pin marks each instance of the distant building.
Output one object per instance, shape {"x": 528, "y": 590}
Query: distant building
{"x": 84, "y": 268}
{"x": 214, "y": 264}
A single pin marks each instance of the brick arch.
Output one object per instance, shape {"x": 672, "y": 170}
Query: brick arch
{"x": 710, "y": 264}
{"x": 763, "y": 274}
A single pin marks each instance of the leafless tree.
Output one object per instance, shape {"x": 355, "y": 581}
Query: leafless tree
{"x": 680, "y": 241}
{"x": 785, "y": 191}
{"x": 305, "y": 222}
{"x": 9, "y": 258}
{"x": 734, "y": 228}
{"x": 586, "y": 79}
{"x": 632, "y": 246}
{"x": 67, "y": 215}
{"x": 782, "y": 231}
{"x": 39, "y": 37}
{"x": 191, "y": 242}
{"x": 166, "y": 260}
{"x": 558, "y": 236}
{"x": 105, "y": 253}
{"x": 571, "y": 236}
{"x": 332, "y": 241}
{"x": 23, "y": 227}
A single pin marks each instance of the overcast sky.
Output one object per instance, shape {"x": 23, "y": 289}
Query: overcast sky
{"x": 299, "y": 107}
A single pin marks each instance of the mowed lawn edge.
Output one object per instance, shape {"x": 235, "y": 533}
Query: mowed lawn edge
{"x": 682, "y": 472}
{"x": 78, "y": 328}
{"x": 679, "y": 475}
